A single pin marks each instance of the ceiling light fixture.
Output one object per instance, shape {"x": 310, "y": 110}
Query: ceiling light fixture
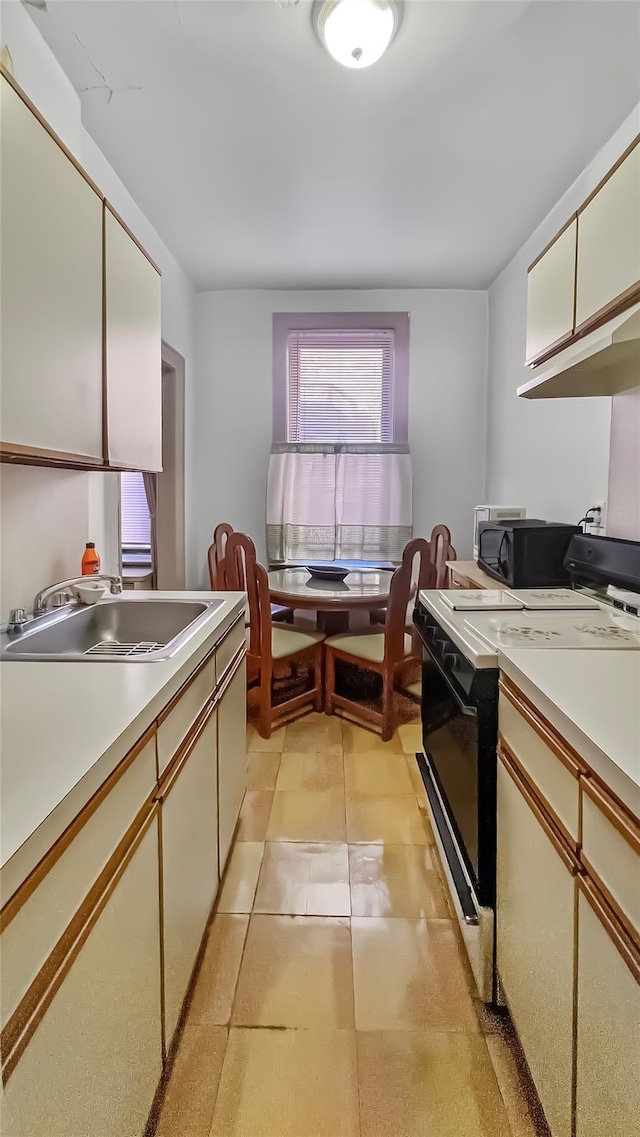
{"x": 356, "y": 33}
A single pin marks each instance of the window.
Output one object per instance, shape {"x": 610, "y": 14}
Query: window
{"x": 340, "y": 377}
{"x": 339, "y": 385}
{"x": 135, "y": 520}
{"x": 339, "y": 484}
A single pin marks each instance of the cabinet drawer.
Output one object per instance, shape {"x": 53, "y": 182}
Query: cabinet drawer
{"x": 31, "y": 930}
{"x": 555, "y": 777}
{"x": 94, "y": 1059}
{"x": 175, "y": 724}
{"x": 611, "y": 850}
{"x": 230, "y": 645}
{"x": 456, "y": 580}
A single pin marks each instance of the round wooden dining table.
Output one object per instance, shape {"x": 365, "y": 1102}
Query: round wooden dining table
{"x": 363, "y": 589}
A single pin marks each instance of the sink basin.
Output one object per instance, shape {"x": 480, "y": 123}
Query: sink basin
{"x": 120, "y": 630}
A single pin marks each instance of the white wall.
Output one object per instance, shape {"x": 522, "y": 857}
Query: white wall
{"x": 550, "y": 456}
{"x": 234, "y": 399}
{"x": 55, "y": 512}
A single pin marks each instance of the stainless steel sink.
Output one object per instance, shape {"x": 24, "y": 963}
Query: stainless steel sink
{"x": 114, "y": 629}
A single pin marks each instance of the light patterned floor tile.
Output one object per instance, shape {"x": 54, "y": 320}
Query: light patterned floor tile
{"x": 254, "y": 815}
{"x": 397, "y": 881}
{"x": 292, "y": 1083}
{"x": 305, "y": 880}
{"x": 376, "y": 773}
{"x": 311, "y": 772}
{"x": 408, "y": 976}
{"x": 256, "y": 743}
{"x": 356, "y": 738}
{"x": 307, "y": 816}
{"x": 191, "y": 1094}
{"x": 296, "y": 972}
{"x": 315, "y": 733}
{"x": 411, "y": 737}
{"x": 215, "y": 986}
{"x": 428, "y": 1085}
{"x": 241, "y": 877}
{"x": 389, "y": 819}
{"x": 262, "y": 770}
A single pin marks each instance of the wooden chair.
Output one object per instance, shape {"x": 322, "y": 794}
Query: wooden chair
{"x": 269, "y": 647}
{"x": 216, "y": 555}
{"x": 388, "y": 652}
{"x": 226, "y": 576}
{"x": 441, "y": 551}
{"x": 424, "y": 579}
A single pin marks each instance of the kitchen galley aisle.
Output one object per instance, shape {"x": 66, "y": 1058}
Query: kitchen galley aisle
{"x": 334, "y": 998}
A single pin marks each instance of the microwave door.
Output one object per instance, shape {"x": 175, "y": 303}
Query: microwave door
{"x": 494, "y": 551}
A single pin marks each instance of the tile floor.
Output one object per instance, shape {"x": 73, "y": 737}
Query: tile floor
{"x": 334, "y": 999}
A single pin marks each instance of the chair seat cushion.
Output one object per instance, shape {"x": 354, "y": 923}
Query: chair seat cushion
{"x": 289, "y": 640}
{"x": 365, "y": 645}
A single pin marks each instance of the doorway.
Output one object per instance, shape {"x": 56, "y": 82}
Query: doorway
{"x": 153, "y": 556}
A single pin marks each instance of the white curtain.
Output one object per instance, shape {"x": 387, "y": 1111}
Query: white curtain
{"x": 339, "y": 502}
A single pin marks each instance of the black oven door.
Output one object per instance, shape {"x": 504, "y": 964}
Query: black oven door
{"x": 459, "y": 737}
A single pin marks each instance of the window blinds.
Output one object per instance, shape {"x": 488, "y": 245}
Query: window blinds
{"x": 340, "y": 385}
{"x": 135, "y": 519}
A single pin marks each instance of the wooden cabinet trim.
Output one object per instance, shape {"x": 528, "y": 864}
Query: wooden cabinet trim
{"x": 181, "y": 757}
{"x": 229, "y": 674}
{"x": 615, "y": 307}
{"x": 543, "y": 728}
{"x": 552, "y": 242}
{"x": 547, "y": 820}
{"x": 555, "y": 347}
{"x": 173, "y": 702}
{"x": 621, "y": 819}
{"x": 630, "y": 931}
{"x": 50, "y": 131}
{"x": 25, "y": 1020}
{"x": 609, "y": 174}
{"x": 114, "y": 212}
{"x": 39, "y": 456}
{"x": 13, "y": 905}
{"x": 626, "y": 948}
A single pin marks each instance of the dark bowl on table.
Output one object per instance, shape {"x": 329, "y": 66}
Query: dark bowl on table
{"x": 328, "y": 572}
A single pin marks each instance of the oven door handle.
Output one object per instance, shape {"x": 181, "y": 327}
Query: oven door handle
{"x": 466, "y": 708}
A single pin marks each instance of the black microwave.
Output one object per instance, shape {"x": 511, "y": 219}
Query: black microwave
{"x": 526, "y": 553}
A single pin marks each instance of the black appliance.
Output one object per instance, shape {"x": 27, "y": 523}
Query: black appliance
{"x": 459, "y": 724}
{"x": 597, "y": 562}
{"x": 527, "y": 553}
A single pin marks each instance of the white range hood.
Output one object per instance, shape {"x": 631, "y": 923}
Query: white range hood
{"x": 604, "y": 362}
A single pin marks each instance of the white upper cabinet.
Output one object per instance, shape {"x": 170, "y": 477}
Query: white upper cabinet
{"x": 609, "y": 242}
{"x": 51, "y": 328}
{"x": 550, "y": 295}
{"x": 133, "y": 352}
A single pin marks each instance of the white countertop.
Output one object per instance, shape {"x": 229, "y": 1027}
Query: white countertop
{"x": 66, "y": 725}
{"x": 593, "y": 700}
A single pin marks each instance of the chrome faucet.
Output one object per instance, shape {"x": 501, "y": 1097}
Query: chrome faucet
{"x": 55, "y": 590}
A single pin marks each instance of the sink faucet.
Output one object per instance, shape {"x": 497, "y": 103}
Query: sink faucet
{"x": 41, "y": 600}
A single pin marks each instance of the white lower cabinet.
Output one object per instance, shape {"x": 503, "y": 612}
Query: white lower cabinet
{"x": 608, "y": 1039}
{"x": 232, "y": 758}
{"x": 93, "y": 1063}
{"x": 189, "y": 861}
{"x": 535, "y": 943}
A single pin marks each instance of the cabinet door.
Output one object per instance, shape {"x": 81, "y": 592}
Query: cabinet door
{"x": 190, "y": 863}
{"x": 608, "y": 1039}
{"x": 133, "y": 352}
{"x": 534, "y": 946}
{"x": 609, "y": 241}
{"x": 51, "y": 333}
{"x": 232, "y": 758}
{"x": 550, "y": 295}
{"x": 95, "y": 1059}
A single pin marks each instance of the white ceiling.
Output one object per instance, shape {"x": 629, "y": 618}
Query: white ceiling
{"x": 264, "y": 164}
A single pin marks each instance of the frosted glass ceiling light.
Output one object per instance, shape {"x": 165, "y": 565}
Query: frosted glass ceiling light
{"x": 356, "y": 33}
